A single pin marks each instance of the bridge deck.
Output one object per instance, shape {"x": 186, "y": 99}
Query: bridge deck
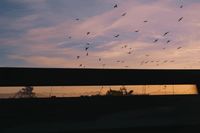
{"x": 83, "y": 77}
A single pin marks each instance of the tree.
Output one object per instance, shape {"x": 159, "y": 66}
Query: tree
{"x": 26, "y": 92}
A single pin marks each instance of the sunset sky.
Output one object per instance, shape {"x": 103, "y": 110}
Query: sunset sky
{"x": 135, "y": 34}
{"x": 45, "y": 33}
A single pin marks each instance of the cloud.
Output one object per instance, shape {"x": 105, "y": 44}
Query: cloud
{"x": 43, "y": 33}
{"x": 40, "y": 61}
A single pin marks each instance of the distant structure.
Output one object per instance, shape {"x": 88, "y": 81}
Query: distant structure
{"x": 121, "y": 92}
{"x": 26, "y": 92}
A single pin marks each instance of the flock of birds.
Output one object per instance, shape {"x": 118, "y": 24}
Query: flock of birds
{"x": 131, "y": 50}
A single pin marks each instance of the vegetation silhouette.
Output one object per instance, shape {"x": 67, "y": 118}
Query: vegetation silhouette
{"x": 26, "y": 92}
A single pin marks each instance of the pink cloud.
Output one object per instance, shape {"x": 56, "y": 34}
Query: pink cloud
{"x": 40, "y": 61}
{"x": 162, "y": 17}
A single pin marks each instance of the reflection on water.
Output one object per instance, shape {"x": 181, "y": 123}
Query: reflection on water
{"x": 76, "y": 91}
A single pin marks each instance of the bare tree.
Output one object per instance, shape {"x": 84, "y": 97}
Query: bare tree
{"x": 26, "y": 92}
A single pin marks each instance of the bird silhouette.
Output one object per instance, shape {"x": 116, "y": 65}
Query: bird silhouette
{"x": 156, "y": 40}
{"x": 168, "y": 41}
{"x": 166, "y": 33}
{"x": 86, "y": 48}
{"x": 117, "y": 35}
{"x": 179, "y": 47}
{"x": 124, "y": 14}
{"x": 180, "y": 19}
{"x": 88, "y": 33}
{"x": 81, "y": 65}
{"x": 129, "y": 52}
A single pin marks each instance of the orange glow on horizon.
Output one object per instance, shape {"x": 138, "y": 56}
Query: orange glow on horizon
{"x": 75, "y": 91}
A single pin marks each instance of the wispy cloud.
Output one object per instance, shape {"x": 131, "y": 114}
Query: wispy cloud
{"x": 40, "y": 37}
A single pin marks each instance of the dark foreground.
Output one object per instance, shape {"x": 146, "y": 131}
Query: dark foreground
{"x": 101, "y": 114}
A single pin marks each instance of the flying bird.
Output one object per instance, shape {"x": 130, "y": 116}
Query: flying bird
{"x": 168, "y": 41}
{"x": 86, "y": 48}
{"x": 87, "y": 43}
{"x": 180, "y": 19}
{"x": 77, "y": 57}
{"x": 136, "y": 31}
{"x": 87, "y": 54}
{"x": 181, "y": 6}
{"x": 166, "y": 33}
{"x": 156, "y": 40}
{"x": 115, "y": 6}
{"x": 117, "y": 35}
{"x": 179, "y": 47}
{"x": 145, "y": 21}
{"x": 99, "y": 59}
{"x": 124, "y": 14}
{"x": 129, "y": 52}
{"x": 81, "y": 65}
{"x": 88, "y": 33}
{"x": 70, "y": 37}
{"x": 77, "y": 19}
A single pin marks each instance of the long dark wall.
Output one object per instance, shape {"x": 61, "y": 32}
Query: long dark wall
{"x": 83, "y": 77}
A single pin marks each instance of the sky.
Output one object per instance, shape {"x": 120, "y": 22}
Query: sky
{"x": 49, "y": 33}
{"x": 76, "y": 91}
